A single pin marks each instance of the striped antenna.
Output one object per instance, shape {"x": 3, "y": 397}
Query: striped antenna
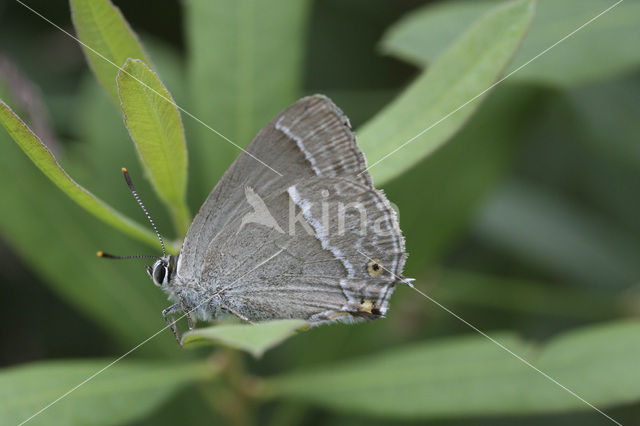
{"x": 144, "y": 209}
{"x": 132, "y": 188}
{"x": 135, "y": 256}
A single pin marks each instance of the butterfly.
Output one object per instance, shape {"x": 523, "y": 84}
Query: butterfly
{"x": 294, "y": 229}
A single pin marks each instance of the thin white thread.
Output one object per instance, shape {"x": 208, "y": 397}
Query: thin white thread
{"x": 493, "y": 85}
{"x": 406, "y": 281}
{"x": 91, "y": 377}
{"x": 150, "y": 88}
{"x": 512, "y": 353}
{"x": 491, "y": 339}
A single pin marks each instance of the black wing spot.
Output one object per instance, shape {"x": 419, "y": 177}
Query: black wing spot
{"x": 374, "y": 268}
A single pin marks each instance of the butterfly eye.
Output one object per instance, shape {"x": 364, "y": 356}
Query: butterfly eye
{"x": 159, "y": 273}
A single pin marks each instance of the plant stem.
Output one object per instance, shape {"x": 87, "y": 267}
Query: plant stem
{"x": 228, "y": 397}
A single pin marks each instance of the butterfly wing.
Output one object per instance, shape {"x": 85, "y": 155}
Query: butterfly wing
{"x": 311, "y": 264}
{"x": 321, "y": 267}
{"x": 310, "y": 138}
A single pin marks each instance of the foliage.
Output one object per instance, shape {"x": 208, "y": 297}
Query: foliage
{"x": 154, "y": 123}
{"x": 590, "y": 56}
{"x": 476, "y": 377}
{"x": 46, "y": 162}
{"x": 253, "y": 338}
{"x": 130, "y": 390}
{"x": 446, "y": 95}
{"x": 518, "y": 203}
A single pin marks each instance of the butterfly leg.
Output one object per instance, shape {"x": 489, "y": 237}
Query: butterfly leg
{"x": 170, "y": 312}
{"x": 234, "y": 312}
{"x": 187, "y": 312}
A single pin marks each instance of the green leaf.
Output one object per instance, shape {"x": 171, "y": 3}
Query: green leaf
{"x": 154, "y": 123}
{"x": 595, "y": 52}
{"x": 253, "y": 338}
{"x": 466, "y": 376}
{"x": 441, "y": 100}
{"x": 96, "y": 159}
{"x": 244, "y": 65}
{"x": 425, "y": 33}
{"x": 483, "y": 149}
{"x": 120, "y": 394}
{"x": 45, "y": 161}
{"x": 108, "y": 40}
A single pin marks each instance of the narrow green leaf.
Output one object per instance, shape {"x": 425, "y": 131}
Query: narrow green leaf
{"x": 120, "y": 394}
{"x": 102, "y": 28}
{"x": 45, "y": 161}
{"x": 425, "y": 33}
{"x": 154, "y": 123}
{"x": 600, "y": 363}
{"x": 106, "y": 147}
{"x": 483, "y": 149}
{"x": 459, "y": 377}
{"x": 450, "y": 376}
{"x": 244, "y": 65}
{"x": 253, "y": 338}
{"x": 431, "y": 110}
{"x": 593, "y": 53}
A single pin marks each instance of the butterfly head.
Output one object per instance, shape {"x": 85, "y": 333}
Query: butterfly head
{"x": 162, "y": 270}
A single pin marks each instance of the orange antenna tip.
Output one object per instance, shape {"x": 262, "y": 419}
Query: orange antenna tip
{"x": 124, "y": 170}
{"x": 100, "y": 254}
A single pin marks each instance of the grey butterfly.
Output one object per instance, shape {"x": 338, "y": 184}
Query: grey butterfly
{"x": 304, "y": 259}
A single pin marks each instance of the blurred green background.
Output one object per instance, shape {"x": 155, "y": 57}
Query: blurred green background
{"x": 525, "y": 222}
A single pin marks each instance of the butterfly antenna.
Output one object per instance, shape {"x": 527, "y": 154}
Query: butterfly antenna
{"x": 135, "y": 256}
{"x": 144, "y": 209}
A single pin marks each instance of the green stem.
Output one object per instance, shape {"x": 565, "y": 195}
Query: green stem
{"x": 229, "y": 397}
